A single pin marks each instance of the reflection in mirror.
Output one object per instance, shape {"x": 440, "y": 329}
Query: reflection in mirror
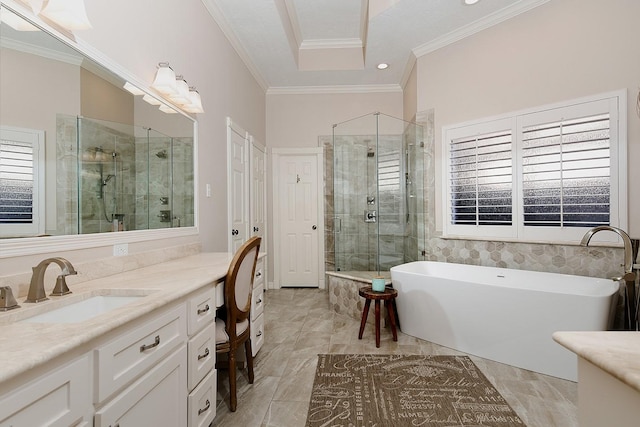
{"x": 78, "y": 153}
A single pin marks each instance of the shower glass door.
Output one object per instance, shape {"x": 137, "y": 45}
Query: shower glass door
{"x": 377, "y": 194}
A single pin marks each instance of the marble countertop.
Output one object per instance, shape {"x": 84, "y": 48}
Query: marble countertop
{"x": 28, "y": 345}
{"x": 615, "y": 352}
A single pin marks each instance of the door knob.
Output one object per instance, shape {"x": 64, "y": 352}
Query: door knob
{"x": 314, "y": 227}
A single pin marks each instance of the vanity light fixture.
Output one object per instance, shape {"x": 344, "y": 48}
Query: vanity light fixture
{"x": 383, "y": 66}
{"x": 70, "y": 14}
{"x": 195, "y": 102}
{"x": 181, "y": 96}
{"x": 132, "y": 89}
{"x": 165, "y": 81}
{"x": 175, "y": 89}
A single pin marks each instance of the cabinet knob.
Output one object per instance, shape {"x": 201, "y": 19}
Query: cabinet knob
{"x": 314, "y": 227}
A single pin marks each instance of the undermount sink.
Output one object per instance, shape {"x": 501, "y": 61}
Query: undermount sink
{"x": 83, "y": 310}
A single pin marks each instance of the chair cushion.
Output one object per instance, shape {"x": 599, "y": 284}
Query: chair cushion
{"x": 221, "y": 330}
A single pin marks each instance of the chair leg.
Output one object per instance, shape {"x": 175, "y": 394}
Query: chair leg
{"x": 233, "y": 399}
{"x": 249, "y": 354}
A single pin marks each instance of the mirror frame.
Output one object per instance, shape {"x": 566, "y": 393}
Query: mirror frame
{"x": 36, "y": 245}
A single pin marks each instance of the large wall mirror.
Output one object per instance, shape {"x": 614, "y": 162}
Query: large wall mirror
{"x": 79, "y": 154}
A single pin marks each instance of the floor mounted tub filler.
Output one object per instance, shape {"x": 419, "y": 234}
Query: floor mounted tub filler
{"x": 500, "y": 314}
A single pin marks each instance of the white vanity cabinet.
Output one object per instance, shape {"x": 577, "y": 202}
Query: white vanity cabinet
{"x": 150, "y": 362}
{"x": 172, "y": 354}
{"x": 257, "y": 306}
{"x": 61, "y": 397}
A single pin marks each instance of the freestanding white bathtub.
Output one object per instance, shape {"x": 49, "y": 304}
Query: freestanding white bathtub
{"x": 502, "y": 314}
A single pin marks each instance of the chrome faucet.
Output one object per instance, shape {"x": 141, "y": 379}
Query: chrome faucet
{"x": 36, "y": 287}
{"x": 628, "y": 249}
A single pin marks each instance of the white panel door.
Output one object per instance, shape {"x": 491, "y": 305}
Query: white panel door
{"x": 258, "y": 192}
{"x": 297, "y": 198}
{"x": 238, "y": 198}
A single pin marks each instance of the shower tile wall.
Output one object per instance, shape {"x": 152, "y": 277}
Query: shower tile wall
{"x": 94, "y": 217}
{"x": 118, "y": 195}
{"x": 66, "y": 177}
{"x": 164, "y": 182}
{"x": 183, "y": 183}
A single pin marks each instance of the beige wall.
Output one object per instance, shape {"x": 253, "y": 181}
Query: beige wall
{"x": 102, "y": 100}
{"x": 410, "y": 101}
{"x": 139, "y": 34}
{"x": 296, "y": 120}
{"x": 561, "y": 50}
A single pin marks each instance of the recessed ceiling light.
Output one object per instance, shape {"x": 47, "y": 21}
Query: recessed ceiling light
{"x": 470, "y": 2}
{"x": 383, "y": 66}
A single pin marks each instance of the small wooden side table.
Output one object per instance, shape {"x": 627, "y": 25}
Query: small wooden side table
{"x": 388, "y": 296}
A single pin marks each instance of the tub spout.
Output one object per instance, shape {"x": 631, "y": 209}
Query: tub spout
{"x": 628, "y": 250}
{"x": 629, "y": 276}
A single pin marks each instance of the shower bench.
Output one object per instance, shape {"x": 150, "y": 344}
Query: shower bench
{"x": 343, "y": 291}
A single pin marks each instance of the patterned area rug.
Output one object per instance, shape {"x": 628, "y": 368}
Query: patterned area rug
{"x": 374, "y": 390}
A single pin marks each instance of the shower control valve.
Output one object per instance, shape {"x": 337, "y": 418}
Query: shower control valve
{"x": 370, "y": 216}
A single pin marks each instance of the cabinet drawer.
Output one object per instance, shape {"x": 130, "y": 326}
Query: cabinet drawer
{"x": 59, "y": 398}
{"x": 257, "y": 302}
{"x": 201, "y": 309}
{"x": 257, "y": 334}
{"x": 202, "y": 355}
{"x": 156, "y": 399}
{"x": 202, "y": 402}
{"x": 260, "y": 273}
{"x": 125, "y": 358}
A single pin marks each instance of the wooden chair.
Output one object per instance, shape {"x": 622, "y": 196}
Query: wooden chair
{"x": 235, "y": 327}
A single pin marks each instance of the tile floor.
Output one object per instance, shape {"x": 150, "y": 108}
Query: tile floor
{"x": 299, "y": 326}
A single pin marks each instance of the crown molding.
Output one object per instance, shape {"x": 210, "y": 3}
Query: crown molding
{"x": 331, "y": 43}
{"x": 309, "y": 90}
{"x": 468, "y": 30}
{"x": 221, "y": 20}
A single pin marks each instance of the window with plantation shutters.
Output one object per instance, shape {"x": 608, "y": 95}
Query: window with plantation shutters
{"x": 481, "y": 179}
{"x": 547, "y": 174}
{"x": 566, "y": 173}
{"x": 21, "y": 186}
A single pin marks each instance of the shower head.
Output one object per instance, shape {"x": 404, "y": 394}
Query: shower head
{"x": 162, "y": 154}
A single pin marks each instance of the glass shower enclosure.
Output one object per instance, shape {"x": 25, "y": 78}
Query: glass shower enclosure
{"x": 121, "y": 177}
{"x": 374, "y": 173}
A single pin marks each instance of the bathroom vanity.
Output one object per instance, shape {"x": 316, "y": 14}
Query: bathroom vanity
{"x": 144, "y": 354}
{"x": 608, "y": 376}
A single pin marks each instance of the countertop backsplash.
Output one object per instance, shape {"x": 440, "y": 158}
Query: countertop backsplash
{"x": 96, "y": 269}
